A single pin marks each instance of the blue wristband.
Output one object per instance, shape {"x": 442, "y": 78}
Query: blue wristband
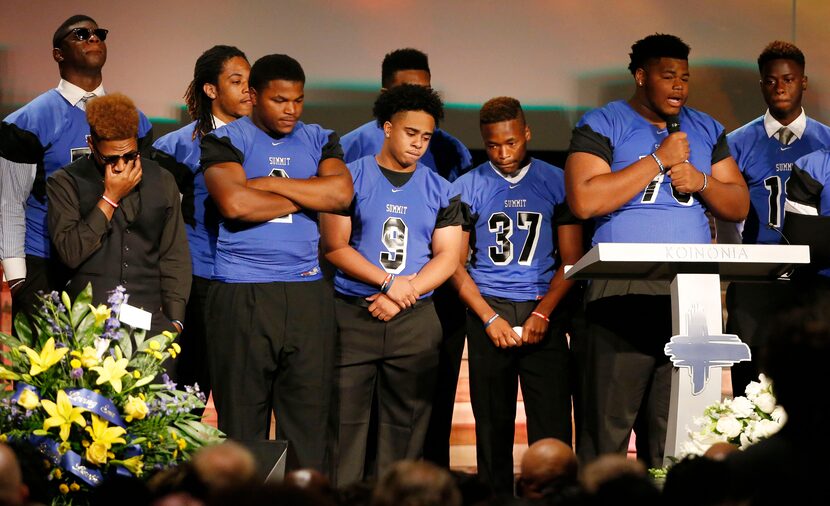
{"x": 491, "y": 320}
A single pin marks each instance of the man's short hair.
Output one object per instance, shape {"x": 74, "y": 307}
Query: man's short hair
{"x": 402, "y": 59}
{"x": 275, "y": 67}
{"x": 654, "y": 47}
{"x": 500, "y": 109}
{"x": 63, "y": 31}
{"x": 780, "y": 50}
{"x": 408, "y": 97}
{"x": 112, "y": 117}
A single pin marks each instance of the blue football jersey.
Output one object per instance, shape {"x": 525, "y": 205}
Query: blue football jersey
{"x": 446, "y": 155}
{"x": 392, "y": 226}
{"x": 285, "y": 248}
{"x": 512, "y": 236}
{"x": 183, "y": 149}
{"x": 766, "y": 165}
{"x": 808, "y": 190}
{"x": 60, "y": 129}
{"x": 658, "y": 213}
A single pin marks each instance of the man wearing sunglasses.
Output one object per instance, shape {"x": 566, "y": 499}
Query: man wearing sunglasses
{"x": 116, "y": 219}
{"x": 36, "y": 140}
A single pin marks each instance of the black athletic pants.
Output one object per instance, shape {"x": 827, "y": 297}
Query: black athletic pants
{"x": 42, "y": 275}
{"x": 451, "y": 314}
{"x": 191, "y": 365}
{"x": 393, "y": 365}
{"x": 544, "y": 371}
{"x": 626, "y": 381}
{"x": 271, "y": 348}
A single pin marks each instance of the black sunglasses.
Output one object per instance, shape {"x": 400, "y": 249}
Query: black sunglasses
{"x": 83, "y": 34}
{"x": 113, "y": 159}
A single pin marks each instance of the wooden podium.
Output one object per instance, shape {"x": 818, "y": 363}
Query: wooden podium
{"x": 698, "y": 343}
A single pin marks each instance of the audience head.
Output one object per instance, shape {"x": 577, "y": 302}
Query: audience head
{"x": 795, "y": 356}
{"x": 411, "y": 483}
{"x": 608, "y": 467}
{"x": 13, "y": 491}
{"x": 719, "y": 451}
{"x": 224, "y": 466}
{"x": 310, "y": 479}
{"x": 697, "y": 481}
{"x": 505, "y": 133}
{"x": 546, "y": 463}
{"x": 405, "y": 66}
{"x": 219, "y": 88}
{"x": 276, "y": 86}
{"x": 78, "y": 46}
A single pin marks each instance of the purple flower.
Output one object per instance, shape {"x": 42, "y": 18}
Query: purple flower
{"x": 77, "y": 373}
{"x": 116, "y": 298}
{"x": 168, "y": 383}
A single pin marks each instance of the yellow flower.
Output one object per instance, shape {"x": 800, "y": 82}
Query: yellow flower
{"x": 176, "y": 347}
{"x": 103, "y": 434}
{"x": 63, "y": 448}
{"x": 6, "y": 374}
{"x": 3, "y": 438}
{"x": 96, "y": 453}
{"x": 74, "y": 363}
{"x": 74, "y": 487}
{"x": 134, "y": 465}
{"x": 64, "y": 488}
{"x": 48, "y": 356}
{"x": 28, "y": 399}
{"x": 135, "y": 408}
{"x": 111, "y": 372}
{"x": 158, "y": 355}
{"x": 182, "y": 444}
{"x": 62, "y": 414}
{"x": 89, "y": 358}
{"x": 154, "y": 345}
{"x": 172, "y": 352}
{"x": 58, "y": 473}
{"x": 101, "y": 313}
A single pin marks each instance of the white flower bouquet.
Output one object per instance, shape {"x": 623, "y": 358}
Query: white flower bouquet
{"x": 741, "y": 421}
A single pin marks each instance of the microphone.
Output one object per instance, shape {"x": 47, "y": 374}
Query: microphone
{"x": 673, "y": 123}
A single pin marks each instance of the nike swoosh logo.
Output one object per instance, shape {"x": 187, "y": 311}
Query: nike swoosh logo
{"x": 513, "y": 186}
{"x": 277, "y": 143}
{"x": 662, "y": 131}
{"x": 396, "y": 190}
{"x": 784, "y": 148}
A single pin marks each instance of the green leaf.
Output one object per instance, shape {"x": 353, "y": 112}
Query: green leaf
{"x": 200, "y": 432}
{"x": 23, "y": 328}
{"x": 126, "y": 346}
{"x": 81, "y": 305}
{"x": 144, "y": 381}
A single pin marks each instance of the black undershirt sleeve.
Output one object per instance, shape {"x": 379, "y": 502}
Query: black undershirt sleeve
{"x": 216, "y": 150}
{"x": 332, "y": 148}
{"x": 721, "y": 149}
{"x": 18, "y": 145}
{"x": 184, "y": 181}
{"x": 451, "y": 215}
{"x": 585, "y": 140}
{"x": 562, "y": 215}
{"x": 468, "y": 220}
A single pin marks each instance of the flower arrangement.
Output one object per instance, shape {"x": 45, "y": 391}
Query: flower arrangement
{"x": 741, "y": 421}
{"x": 86, "y": 392}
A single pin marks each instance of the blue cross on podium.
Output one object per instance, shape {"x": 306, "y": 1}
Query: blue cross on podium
{"x": 700, "y": 351}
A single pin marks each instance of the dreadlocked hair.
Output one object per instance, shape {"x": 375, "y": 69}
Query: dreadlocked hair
{"x": 208, "y": 68}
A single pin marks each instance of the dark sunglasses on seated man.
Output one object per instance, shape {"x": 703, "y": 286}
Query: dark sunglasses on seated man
{"x": 84, "y": 34}
{"x": 113, "y": 159}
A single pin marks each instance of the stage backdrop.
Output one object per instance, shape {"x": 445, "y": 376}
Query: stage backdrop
{"x": 558, "y": 57}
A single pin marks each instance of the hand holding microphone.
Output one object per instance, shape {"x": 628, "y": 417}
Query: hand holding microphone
{"x": 675, "y": 148}
{"x": 685, "y": 178}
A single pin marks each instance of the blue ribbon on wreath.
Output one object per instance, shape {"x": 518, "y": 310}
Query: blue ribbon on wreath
{"x": 95, "y": 403}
